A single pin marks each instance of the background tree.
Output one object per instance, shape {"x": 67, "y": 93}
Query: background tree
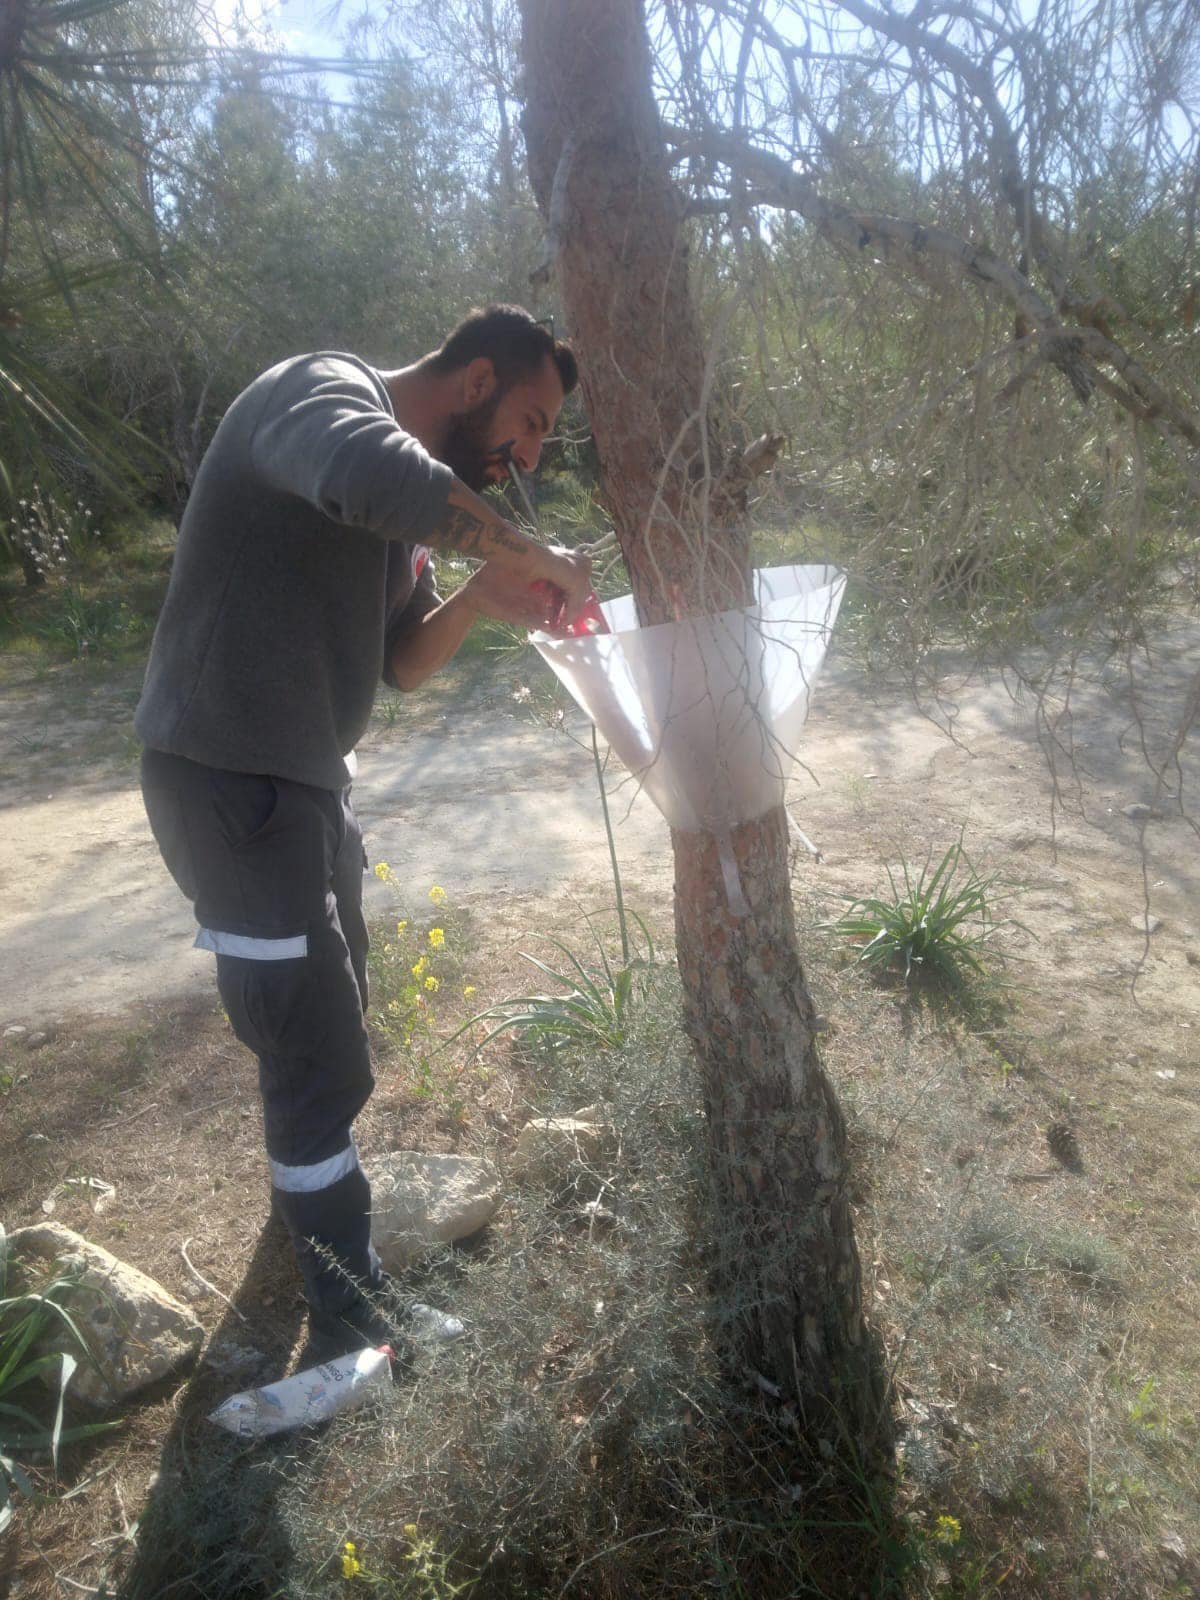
{"x": 93, "y": 100}
{"x": 956, "y": 289}
{"x": 176, "y": 215}
{"x": 470, "y": 48}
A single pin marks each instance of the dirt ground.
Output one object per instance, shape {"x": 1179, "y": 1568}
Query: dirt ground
{"x": 462, "y": 790}
{"x": 503, "y": 813}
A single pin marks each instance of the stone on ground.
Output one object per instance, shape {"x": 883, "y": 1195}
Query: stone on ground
{"x": 136, "y": 1332}
{"x": 554, "y": 1149}
{"x": 422, "y": 1201}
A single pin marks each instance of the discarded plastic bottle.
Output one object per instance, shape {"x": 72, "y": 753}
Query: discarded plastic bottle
{"x": 306, "y": 1397}
{"x": 589, "y": 620}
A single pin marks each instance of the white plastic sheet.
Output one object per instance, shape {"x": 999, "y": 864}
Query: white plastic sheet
{"x": 706, "y": 714}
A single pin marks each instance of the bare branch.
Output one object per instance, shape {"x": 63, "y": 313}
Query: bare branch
{"x": 1074, "y": 350}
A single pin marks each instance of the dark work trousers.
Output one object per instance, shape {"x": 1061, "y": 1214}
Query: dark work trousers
{"x": 274, "y": 870}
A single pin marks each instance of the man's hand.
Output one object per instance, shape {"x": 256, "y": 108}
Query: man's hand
{"x": 493, "y": 591}
{"x": 570, "y": 578}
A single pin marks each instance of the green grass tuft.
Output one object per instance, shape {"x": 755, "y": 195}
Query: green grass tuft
{"x": 936, "y": 925}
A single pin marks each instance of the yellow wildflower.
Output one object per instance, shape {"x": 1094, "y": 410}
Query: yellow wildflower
{"x": 947, "y": 1530}
{"x": 420, "y": 966}
{"x": 351, "y": 1565}
{"x": 438, "y": 895}
{"x": 468, "y": 991}
{"x": 431, "y": 984}
{"x": 410, "y": 1530}
{"x": 400, "y": 926}
{"x": 437, "y": 937}
{"x": 382, "y": 871}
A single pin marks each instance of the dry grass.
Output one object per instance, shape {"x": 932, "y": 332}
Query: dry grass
{"x": 1039, "y": 1321}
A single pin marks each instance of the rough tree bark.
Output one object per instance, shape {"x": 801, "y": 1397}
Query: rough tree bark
{"x": 788, "y": 1276}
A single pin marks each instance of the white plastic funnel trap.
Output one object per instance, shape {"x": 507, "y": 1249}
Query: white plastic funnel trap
{"x": 706, "y": 713}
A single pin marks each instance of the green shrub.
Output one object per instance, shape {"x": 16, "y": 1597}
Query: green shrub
{"x": 593, "y": 1004}
{"x": 936, "y": 925}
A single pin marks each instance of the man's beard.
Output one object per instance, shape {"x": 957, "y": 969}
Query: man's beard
{"x": 465, "y": 450}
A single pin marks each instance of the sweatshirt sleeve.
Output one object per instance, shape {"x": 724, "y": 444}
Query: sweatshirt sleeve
{"x": 325, "y": 435}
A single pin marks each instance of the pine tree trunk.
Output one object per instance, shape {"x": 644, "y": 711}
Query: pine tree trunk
{"x": 788, "y": 1274}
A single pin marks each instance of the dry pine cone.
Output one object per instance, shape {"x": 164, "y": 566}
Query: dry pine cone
{"x": 1064, "y": 1146}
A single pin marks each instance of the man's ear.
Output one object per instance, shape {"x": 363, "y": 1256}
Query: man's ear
{"x": 479, "y": 382}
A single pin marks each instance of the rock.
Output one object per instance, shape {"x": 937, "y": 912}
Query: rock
{"x": 1140, "y": 813}
{"x": 420, "y": 1201}
{"x": 14, "y": 1030}
{"x": 135, "y": 1331}
{"x": 549, "y": 1148}
{"x": 1145, "y": 924}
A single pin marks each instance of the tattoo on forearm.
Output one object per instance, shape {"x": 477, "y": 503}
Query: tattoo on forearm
{"x": 463, "y": 529}
{"x": 508, "y": 538}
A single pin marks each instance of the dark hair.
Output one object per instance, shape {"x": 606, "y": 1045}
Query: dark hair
{"x": 512, "y": 341}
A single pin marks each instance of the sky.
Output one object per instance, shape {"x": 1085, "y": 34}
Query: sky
{"x": 312, "y": 28}
{"x": 299, "y": 27}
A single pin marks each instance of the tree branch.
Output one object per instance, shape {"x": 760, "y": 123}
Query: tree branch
{"x": 1075, "y": 350}
{"x": 1001, "y": 141}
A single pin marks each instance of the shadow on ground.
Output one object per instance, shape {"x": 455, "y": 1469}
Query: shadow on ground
{"x": 210, "y": 1527}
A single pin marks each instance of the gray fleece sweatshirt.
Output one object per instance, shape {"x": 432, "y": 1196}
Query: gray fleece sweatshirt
{"x": 296, "y": 572}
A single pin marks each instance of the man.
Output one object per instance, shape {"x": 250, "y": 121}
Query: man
{"x": 301, "y": 576}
